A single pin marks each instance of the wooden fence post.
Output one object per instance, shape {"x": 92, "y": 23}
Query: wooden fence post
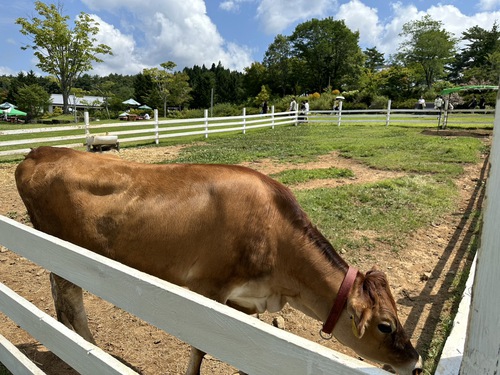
{"x": 157, "y": 133}
{"x": 388, "y": 118}
{"x": 205, "y": 114}
{"x": 482, "y": 345}
{"x": 272, "y": 117}
{"x": 87, "y": 124}
{"x": 244, "y": 121}
{"x": 340, "y": 113}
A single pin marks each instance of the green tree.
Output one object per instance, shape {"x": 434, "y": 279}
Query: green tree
{"x": 427, "y": 46}
{"x": 263, "y": 96}
{"x": 374, "y": 60}
{"x": 63, "y": 52}
{"x": 162, "y": 81}
{"x": 202, "y": 82}
{"x": 330, "y": 51}
{"x": 478, "y": 61}
{"x": 34, "y": 99}
{"x": 180, "y": 89}
{"x": 255, "y": 78}
{"x": 278, "y": 63}
{"x": 397, "y": 82}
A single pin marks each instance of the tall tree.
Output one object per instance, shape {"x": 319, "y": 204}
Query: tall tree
{"x": 202, "y": 82}
{"x": 428, "y": 46}
{"x": 374, "y": 60}
{"x": 479, "y": 60}
{"x": 330, "y": 51}
{"x": 180, "y": 89}
{"x": 63, "y": 52}
{"x": 255, "y": 78}
{"x": 277, "y": 61}
{"x": 162, "y": 81}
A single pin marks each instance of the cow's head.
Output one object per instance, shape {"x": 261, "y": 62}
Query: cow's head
{"x": 370, "y": 325}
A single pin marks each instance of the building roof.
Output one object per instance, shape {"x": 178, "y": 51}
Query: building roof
{"x": 85, "y": 101}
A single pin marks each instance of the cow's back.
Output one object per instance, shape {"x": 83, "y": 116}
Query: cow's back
{"x": 176, "y": 221}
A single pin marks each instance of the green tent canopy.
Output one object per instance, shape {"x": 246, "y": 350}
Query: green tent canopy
{"x": 475, "y": 87}
{"x": 13, "y": 112}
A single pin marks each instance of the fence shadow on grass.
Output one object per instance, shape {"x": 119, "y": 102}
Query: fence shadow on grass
{"x": 457, "y": 248}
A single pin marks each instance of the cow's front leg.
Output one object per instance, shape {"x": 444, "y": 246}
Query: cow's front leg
{"x": 195, "y": 360}
{"x": 68, "y": 301}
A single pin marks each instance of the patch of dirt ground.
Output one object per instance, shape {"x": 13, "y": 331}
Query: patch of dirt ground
{"x": 421, "y": 277}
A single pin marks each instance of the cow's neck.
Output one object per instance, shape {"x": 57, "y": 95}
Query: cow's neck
{"x": 317, "y": 278}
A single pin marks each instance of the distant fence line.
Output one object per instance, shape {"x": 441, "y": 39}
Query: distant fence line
{"x": 19, "y": 141}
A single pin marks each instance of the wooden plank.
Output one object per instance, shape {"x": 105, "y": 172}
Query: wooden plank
{"x": 83, "y": 356}
{"x": 482, "y": 347}
{"x": 240, "y": 340}
{"x": 15, "y": 361}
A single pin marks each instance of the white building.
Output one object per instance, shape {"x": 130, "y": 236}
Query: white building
{"x": 87, "y": 101}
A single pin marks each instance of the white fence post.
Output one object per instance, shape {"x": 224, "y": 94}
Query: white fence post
{"x": 272, "y": 117}
{"x": 340, "y": 113}
{"x": 87, "y": 123}
{"x": 244, "y": 121}
{"x": 388, "y": 118}
{"x": 157, "y": 133}
{"x": 205, "y": 114}
{"x": 482, "y": 345}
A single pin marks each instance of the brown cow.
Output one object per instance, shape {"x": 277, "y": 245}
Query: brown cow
{"x": 227, "y": 232}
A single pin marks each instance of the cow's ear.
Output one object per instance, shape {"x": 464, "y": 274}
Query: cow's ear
{"x": 359, "y": 321}
{"x": 360, "y": 310}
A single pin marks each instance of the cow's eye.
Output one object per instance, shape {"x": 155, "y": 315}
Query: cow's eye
{"x": 385, "y": 328}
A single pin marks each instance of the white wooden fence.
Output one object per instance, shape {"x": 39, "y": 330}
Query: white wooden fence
{"x": 473, "y": 346}
{"x": 21, "y": 140}
{"x": 240, "y": 340}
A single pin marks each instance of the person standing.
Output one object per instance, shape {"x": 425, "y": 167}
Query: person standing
{"x": 438, "y": 103}
{"x": 306, "y": 109}
{"x": 482, "y": 103}
{"x": 293, "y": 105}
{"x": 421, "y": 103}
{"x": 264, "y": 107}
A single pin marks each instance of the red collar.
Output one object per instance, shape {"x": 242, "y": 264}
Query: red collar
{"x": 340, "y": 300}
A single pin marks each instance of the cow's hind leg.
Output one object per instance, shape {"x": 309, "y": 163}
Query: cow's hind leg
{"x": 68, "y": 301}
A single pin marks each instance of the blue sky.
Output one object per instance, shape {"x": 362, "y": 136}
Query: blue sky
{"x": 145, "y": 33}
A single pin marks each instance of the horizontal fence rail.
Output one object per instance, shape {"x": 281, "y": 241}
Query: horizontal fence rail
{"x": 20, "y": 141}
{"x": 240, "y": 340}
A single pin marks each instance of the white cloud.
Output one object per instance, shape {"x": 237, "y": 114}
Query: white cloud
{"x": 384, "y": 34}
{"x": 229, "y": 6}
{"x": 489, "y": 4}
{"x": 125, "y": 55}
{"x": 233, "y": 6}
{"x": 277, "y": 15}
{"x": 167, "y": 30}
{"x": 359, "y": 17}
